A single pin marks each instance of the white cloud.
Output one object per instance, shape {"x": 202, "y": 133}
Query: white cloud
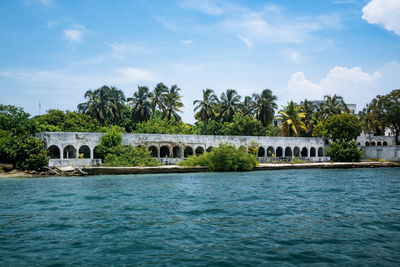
{"x": 72, "y": 35}
{"x": 353, "y": 84}
{"x": 132, "y": 75}
{"x": 75, "y": 34}
{"x": 185, "y": 42}
{"x": 248, "y": 43}
{"x": 210, "y": 7}
{"x": 123, "y": 49}
{"x": 268, "y": 24}
{"x": 383, "y": 12}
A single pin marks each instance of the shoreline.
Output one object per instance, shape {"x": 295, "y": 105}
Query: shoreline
{"x": 178, "y": 169}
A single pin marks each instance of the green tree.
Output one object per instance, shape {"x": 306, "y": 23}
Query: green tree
{"x": 105, "y": 104}
{"x": 15, "y": 120}
{"x": 141, "y": 104}
{"x": 59, "y": 121}
{"x": 343, "y": 127}
{"x": 386, "y": 108}
{"x": 265, "y": 106}
{"x": 344, "y": 151}
{"x": 334, "y": 105}
{"x": 243, "y": 125}
{"x": 229, "y": 105}
{"x": 205, "y": 109}
{"x": 292, "y": 119}
{"x": 248, "y": 106}
{"x": 159, "y": 93}
{"x": 172, "y": 102}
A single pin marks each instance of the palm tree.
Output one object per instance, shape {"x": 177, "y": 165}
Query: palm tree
{"x": 229, "y": 105}
{"x": 117, "y": 102}
{"x": 266, "y": 106}
{"x": 248, "y": 106}
{"x": 205, "y": 108}
{"x": 312, "y": 115}
{"x": 158, "y": 93}
{"x": 172, "y": 103}
{"x": 141, "y": 104}
{"x": 292, "y": 119}
{"x": 334, "y": 105}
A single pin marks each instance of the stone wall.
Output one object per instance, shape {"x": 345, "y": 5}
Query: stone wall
{"x": 371, "y": 140}
{"x": 390, "y": 153}
{"x": 170, "y": 148}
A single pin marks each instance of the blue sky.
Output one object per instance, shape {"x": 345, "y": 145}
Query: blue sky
{"x": 52, "y": 51}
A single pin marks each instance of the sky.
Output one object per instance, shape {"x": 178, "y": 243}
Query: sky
{"x": 53, "y": 51}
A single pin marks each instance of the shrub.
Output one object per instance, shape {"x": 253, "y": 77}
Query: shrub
{"x": 224, "y": 158}
{"x": 344, "y": 151}
{"x": 25, "y": 153}
{"x": 295, "y": 161}
{"x": 128, "y": 156}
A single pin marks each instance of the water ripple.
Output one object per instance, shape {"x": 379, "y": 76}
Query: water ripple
{"x": 278, "y": 218}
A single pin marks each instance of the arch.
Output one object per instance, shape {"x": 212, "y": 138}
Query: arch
{"x": 320, "y": 152}
{"x": 69, "y": 152}
{"x": 199, "y": 150}
{"x": 261, "y": 152}
{"x": 188, "y": 151}
{"x": 85, "y": 150}
{"x": 54, "y": 152}
{"x": 304, "y": 152}
{"x": 384, "y": 143}
{"x": 279, "y": 151}
{"x": 312, "y": 152}
{"x": 270, "y": 151}
{"x": 296, "y": 151}
{"x": 164, "y": 152}
{"x": 358, "y": 144}
{"x": 288, "y": 151}
{"x": 379, "y": 143}
{"x": 367, "y": 143}
{"x": 177, "y": 152}
{"x": 96, "y": 153}
{"x": 373, "y": 143}
{"x": 153, "y": 151}
{"x": 210, "y": 148}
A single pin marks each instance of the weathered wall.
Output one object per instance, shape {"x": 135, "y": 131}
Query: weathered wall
{"x": 371, "y": 140}
{"x": 70, "y": 145}
{"x": 390, "y": 153}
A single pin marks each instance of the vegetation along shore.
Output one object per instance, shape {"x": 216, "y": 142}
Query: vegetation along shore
{"x": 157, "y": 111}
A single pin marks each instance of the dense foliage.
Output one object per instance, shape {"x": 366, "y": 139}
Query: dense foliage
{"x": 342, "y": 127}
{"x": 224, "y": 158}
{"x": 344, "y": 151}
{"x": 115, "y": 154}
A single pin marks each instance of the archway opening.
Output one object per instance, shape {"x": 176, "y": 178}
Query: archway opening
{"x": 279, "y": 152}
{"x": 153, "y": 151}
{"x": 209, "y": 149}
{"x": 188, "y": 151}
{"x": 177, "y": 152}
{"x": 373, "y": 143}
{"x": 366, "y": 143}
{"x": 96, "y": 153}
{"x": 320, "y": 152}
{"x": 164, "y": 152}
{"x": 199, "y": 150}
{"x": 296, "y": 151}
{"x": 270, "y": 151}
{"x": 358, "y": 144}
{"x": 379, "y": 144}
{"x": 84, "y": 151}
{"x": 69, "y": 152}
{"x": 288, "y": 152}
{"x": 54, "y": 152}
{"x": 385, "y": 143}
{"x": 261, "y": 152}
{"x": 304, "y": 152}
{"x": 312, "y": 152}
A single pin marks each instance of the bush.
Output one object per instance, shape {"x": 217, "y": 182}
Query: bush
{"x": 224, "y": 158}
{"x": 295, "y": 161}
{"x": 25, "y": 153}
{"x": 128, "y": 156}
{"x": 344, "y": 151}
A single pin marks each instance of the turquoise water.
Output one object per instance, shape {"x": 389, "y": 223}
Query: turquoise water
{"x": 288, "y": 217}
